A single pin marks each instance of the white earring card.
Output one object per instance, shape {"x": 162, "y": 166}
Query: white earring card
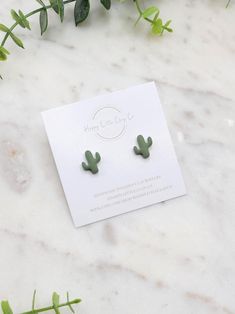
{"x": 109, "y": 124}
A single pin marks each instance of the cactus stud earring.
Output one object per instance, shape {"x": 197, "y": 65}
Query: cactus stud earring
{"x": 91, "y": 162}
{"x": 143, "y": 146}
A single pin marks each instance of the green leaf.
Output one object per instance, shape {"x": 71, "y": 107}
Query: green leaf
{"x": 17, "y": 18}
{"x": 24, "y": 20}
{"x": 170, "y": 30}
{"x": 14, "y": 38}
{"x": 156, "y": 16}
{"x": 58, "y": 7}
{"x": 20, "y": 19}
{"x": 228, "y": 3}
{"x": 6, "y": 307}
{"x": 43, "y": 19}
{"x": 81, "y": 11}
{"x": 17, "y": 40}
{"x": 4, "y": 50}
{"x": 40, "y": 2}
{"x": 167, "y": 23}
{"x": 69, "y": 305}
{"x": 106, "y": 4}
{"x": 149, "y": 11}
{"x": 3, "y": 56}
{"x": 166, "y": 28}
{"x": 157, "y": 27}
{"x": 3, "y": 28}
{"x": 56, "y": 302}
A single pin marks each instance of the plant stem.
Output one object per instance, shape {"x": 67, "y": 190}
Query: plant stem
{"x": 44, "y": 309}
{"x": 228, "y": 3}
{"x": 138, "y": 6}
{"x": 28, "y": 15}
{"x": 140, "y": 12}
{"x": 33, "y": 302}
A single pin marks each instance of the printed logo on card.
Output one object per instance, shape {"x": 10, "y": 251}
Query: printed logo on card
{"x": 109, "y": 122}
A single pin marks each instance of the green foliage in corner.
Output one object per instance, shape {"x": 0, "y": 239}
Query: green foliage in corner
{"x": 81, "y": 12}
{"x": 56, "y": 305}
{"x": 82, "y": 8}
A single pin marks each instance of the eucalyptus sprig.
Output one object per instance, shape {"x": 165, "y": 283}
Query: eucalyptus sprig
{"x": 56, "y": 305}
{"x": 151, "y": 15}
{"x": 81, "y": 12}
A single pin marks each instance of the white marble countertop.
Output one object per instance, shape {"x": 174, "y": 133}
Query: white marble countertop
{"x": 175, "y": 257}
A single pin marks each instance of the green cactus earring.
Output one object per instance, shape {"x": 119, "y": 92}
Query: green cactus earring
{"x": 143, "y": 146}
{"x": 91, "y": 162}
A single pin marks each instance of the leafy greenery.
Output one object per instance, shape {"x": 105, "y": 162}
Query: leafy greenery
{"x": 81, "y": 12}
{"x": 56, "y": 305}
{"x": 151, "y": 15}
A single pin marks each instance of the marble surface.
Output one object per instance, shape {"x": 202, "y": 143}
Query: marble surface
{"x": 175, "y": 257}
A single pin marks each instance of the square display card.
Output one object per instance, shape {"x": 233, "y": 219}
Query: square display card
{"x": 109, "y": 124}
